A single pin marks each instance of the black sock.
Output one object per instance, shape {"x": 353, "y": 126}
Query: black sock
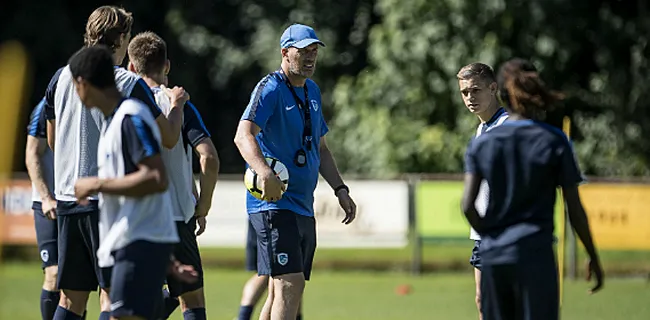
{"x": 195, "y": 314}
{"x": 49, "y": 302}
{"x": 105, "y": 315}
{"x": 63, "y": 314}
{"x": 170, "y": 304}
{"x": 245, "y": 312}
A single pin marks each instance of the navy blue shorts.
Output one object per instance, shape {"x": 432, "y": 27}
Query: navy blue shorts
{"x": 46, "y": 236}
{"x": 251, "y": 248}
{"x": 186, "y": 252}
{"x": 525, "y": 290}
{"x": 78, "y": 244}
{"x": 286, "y": 242}
{"x": 138, "y": 275}
{"x": 475, "y": 259}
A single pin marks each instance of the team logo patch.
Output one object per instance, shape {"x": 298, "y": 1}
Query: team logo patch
{"x": 283, "y": 259}
{"x": 314, "y": 105}
{"x": 45, "y": 256}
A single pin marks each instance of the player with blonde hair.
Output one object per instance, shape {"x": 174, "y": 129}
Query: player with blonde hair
{"x": 73, "y": 133}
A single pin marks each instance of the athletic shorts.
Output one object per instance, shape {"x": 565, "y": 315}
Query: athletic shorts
{"x": 46, "y": 236}
{"x": 138, "y": 275}
{"x": 78, "y": 243}
{"x": 251, "y": 248}
{"x": 527, "y": 289}
{"x": 286, "y": 242}
{"x": 186, "y": 252}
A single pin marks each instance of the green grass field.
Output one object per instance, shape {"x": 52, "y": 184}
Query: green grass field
{"x": 357, "y": 296}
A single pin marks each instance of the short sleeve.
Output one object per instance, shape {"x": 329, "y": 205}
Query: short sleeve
{"x": 193, "y": 127}
{"x": 471, "y": 165}
{"x": 318, "y": 105}
{"x": 142, "y": 92}
{"x": 569, "y": 172}
{"x": 49, "y": 95}
{"x": 323, "y": 126}
{"x": 37, "y": 124}
{"x": 138, "y": 142}
{"x": 263, "y": 102}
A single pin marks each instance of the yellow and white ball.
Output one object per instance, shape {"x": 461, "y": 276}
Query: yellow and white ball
{"x": 252, "y": 180}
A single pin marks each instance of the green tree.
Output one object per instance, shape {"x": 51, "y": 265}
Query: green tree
{"x": 234, "y": 46}
{"x": 596, "y": 52}
{"x": 404, "y": 113}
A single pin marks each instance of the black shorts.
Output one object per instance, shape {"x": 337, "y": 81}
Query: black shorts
{"x": 523, "y": 290}
{"x": 286, "y": 242}
{"x": 78, "y": 243}
{"x": 186, "y": 252}
{"x": 138, "y": 275}
{"x": 251, "y": 248}
{"x": 46, "y": 236}
{"x": 475, "y": 259}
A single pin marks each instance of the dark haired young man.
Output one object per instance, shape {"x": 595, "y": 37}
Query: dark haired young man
{"x": 73, "y": 134}
{"x": 524, "y": 161}
{"x": 478, "y": 88}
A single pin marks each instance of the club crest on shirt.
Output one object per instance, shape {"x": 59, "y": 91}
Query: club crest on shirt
{"x": 314, "y": 105}
{"x": 283, "y": 259}
{"x": 45, "y": 256}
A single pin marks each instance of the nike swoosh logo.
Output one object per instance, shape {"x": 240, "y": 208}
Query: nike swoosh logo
{"x": 289, "y": 108}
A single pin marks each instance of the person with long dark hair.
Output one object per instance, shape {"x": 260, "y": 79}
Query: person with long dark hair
{"x": 524, "y": 161}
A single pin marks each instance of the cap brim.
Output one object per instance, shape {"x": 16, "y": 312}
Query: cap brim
{"x": 307, "y": 42}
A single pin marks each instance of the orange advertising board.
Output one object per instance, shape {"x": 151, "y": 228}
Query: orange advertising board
{"x": 14, "y": 64}
{"x": 619, "y": 214}
{"x": 17, "y": 216}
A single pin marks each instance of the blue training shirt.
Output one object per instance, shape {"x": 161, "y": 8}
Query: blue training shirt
{"x": 523, "y": 162}
{"x": 37, "y": 123}
{"x": 273, "y": 108}
{"x": 38, "y": 128}
{"x": 138, "y": 142}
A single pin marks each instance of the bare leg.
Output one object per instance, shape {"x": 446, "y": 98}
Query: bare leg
{"x": 192, "y": 300}
{"x": 477, "y": 279}
{"x": 105, "y": 300}
{"x": 253, "y": 290}
{"x": 74, "y": 301}
{"x": 265, "y": 314}
{"x": 50, "y": 295}
{"x": 288, "y": 291}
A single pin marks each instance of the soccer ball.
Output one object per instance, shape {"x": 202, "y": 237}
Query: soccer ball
{"x": 251, "y": 179}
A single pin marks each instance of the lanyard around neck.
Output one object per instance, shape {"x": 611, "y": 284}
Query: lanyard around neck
{"x": 304, "y": 109}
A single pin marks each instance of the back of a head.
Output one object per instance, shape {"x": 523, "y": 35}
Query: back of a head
{"x": 522, "y": 90}
{"x": 95, "y": 65}
{"x": 148, "y": 53}
{"x": 477, "y": 70}
{"x": 105, "y": 26}
{"x": 513, "y": 65}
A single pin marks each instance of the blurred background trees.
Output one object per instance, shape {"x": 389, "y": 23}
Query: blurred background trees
{"x": 388, "y": 72}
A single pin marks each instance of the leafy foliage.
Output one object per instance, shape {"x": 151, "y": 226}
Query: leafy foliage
{"x": 388, "y": 72}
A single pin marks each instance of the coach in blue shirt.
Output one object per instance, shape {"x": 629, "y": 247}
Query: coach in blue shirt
{"x": 284, "y": 120}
